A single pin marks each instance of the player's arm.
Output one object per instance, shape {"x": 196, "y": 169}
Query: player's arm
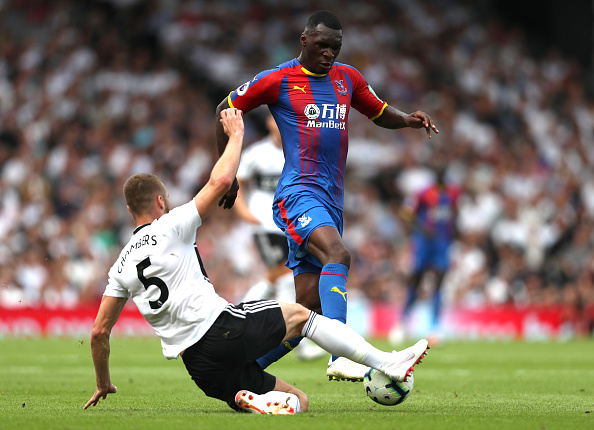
{"x": 407, "y": 214}
{"x": 228, "y": 199}
{"x": 409, "y": 211}
{"x": 392, "y": 118}
{"x": 367, "y": 102}
{"x": 109, "y": 312}
{"x": 266, "y": 93}
{"x": 222, "y": 177}
{"x": 288, "y": 388}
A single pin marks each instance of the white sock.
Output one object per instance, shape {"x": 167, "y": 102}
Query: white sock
{"x": 282, "y": 397}
{"x": 341, "y": 340}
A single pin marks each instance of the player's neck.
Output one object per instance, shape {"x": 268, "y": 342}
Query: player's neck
{"x": 145, "y": 219}
{"x": 304, "y": 65}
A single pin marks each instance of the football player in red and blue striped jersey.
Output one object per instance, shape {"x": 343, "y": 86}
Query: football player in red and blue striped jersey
{"x": 310, "y": 98}
{"x": 432, "y": 213}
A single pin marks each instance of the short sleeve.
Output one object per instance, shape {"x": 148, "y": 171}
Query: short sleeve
{"x": 262, "y": 89}
{"x": 364, "y": 98}
{"x": 113, "y": 289}
{"x": 184, "y": 220}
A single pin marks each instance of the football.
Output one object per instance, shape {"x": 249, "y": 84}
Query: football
{"x": 383, "y": 390}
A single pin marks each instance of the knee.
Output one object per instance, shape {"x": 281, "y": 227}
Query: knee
{"x": 339, "y": 254}
{"x": 295, "y": 316}
{"x": 327, "y": 246}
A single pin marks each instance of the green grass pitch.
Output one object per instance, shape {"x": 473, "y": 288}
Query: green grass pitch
{"x": 44, "y": 384}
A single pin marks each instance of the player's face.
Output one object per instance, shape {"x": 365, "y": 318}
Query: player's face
{"x": 320, "y": 47}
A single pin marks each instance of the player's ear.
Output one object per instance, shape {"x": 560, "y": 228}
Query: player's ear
{"x": 160, "y": 202}
{"x": 131, "y": 213}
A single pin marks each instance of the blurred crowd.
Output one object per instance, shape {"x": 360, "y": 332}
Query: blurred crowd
{"x": 92, "y": 92}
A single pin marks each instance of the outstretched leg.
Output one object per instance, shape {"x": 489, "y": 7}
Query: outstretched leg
{"x": 341, "y": 340}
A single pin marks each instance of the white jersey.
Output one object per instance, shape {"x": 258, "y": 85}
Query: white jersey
{"x": 262, "y": 164}
{"x": 160, "y": 270}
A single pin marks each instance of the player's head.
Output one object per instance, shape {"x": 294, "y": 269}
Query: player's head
{"x": 324, "y": 17}
{"x": 144, "y": 193}
{"x": 321, "y": 41}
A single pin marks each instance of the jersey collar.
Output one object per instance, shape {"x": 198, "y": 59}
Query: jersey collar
{"x": 307, "y": 72}
{"x": 140, "y": 227}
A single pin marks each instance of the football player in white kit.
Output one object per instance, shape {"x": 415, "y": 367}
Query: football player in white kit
{"x": 219, "y": 343}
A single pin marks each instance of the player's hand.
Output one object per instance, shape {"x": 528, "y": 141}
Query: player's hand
{"x": 232, "y": 120}
{"x": 420, "y": 119}
{"x": 101, "y": 393}
{"x": 228, "y": 199}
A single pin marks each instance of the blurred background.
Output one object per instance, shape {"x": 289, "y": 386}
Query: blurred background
{"x": 92, "y": 92}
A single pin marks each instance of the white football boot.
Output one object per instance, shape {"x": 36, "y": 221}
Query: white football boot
{"x": 343, "y": 369}
{"x": 257, "y": 404}
{"x": 403, "y": 362}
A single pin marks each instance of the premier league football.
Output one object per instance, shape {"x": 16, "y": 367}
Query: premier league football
{"x": 383, "y": 390}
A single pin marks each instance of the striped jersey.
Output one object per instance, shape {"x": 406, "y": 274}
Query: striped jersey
{"x": 311, "y": 111}
{"x": 434, "y": 209}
